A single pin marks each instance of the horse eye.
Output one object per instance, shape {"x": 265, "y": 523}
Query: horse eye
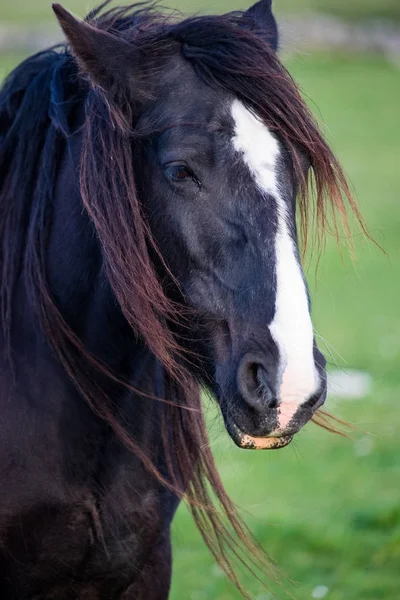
{"x": 179, "y": 172}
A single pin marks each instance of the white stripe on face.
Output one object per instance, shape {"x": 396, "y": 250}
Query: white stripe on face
{"x": 291, "y": 327}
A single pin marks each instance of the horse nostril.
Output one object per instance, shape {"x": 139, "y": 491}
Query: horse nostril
{"x": 264, "y": 388}
{"x": 254, "y": 384}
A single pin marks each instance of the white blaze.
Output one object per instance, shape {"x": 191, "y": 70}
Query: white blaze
{"x": 291, "y": 327}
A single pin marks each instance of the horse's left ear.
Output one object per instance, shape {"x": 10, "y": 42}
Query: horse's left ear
{"x": 109, "y": 61}
{"x": 261, "y": 14}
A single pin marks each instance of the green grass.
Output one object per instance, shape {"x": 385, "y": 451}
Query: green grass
{"x": 40, "y": 10}
{"x": 327, "y": 509}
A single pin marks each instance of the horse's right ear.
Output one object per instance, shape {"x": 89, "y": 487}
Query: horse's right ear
{"x": 261, "y": 14}
{"x": 108, "y": 61}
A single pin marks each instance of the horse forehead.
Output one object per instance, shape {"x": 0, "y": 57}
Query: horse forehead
{"x": 183, "y": 97}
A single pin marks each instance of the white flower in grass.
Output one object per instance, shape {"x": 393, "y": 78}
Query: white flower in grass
{"x": 320, "y": 592}
{"x": 364, "y": 446}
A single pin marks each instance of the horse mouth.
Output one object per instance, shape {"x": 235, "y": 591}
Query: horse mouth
{"x": 249, "y": 442}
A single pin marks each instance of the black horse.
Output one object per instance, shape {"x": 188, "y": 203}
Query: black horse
{"x": 149, "y": 173}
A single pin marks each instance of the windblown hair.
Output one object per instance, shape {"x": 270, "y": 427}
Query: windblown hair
{"x": 34, "y": 106}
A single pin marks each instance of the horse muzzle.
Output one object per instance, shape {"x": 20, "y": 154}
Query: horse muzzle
{"x": 249, "y": 442}
{"x": 272, "y": 428}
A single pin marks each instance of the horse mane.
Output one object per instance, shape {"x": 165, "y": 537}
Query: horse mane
{"x": 34, "y": 107}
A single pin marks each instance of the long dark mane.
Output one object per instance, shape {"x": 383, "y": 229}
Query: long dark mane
{"x": 35, "y": 105}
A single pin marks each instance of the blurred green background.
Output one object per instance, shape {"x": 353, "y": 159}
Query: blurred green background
{"x": 326, "y": 509}
{"x": 38, "y": 10}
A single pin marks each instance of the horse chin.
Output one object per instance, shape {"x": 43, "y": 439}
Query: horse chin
{"x": 249, "y": 442}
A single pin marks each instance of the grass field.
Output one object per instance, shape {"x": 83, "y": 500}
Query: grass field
{"x": 30, "y": 11}
{"x": 327, "y": 509}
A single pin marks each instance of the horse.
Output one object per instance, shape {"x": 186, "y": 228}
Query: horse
{"x": 151, "y": 171}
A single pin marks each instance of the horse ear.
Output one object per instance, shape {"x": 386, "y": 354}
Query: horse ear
{"x": 261, "y": 14}
{"x": 105, "y": 58}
